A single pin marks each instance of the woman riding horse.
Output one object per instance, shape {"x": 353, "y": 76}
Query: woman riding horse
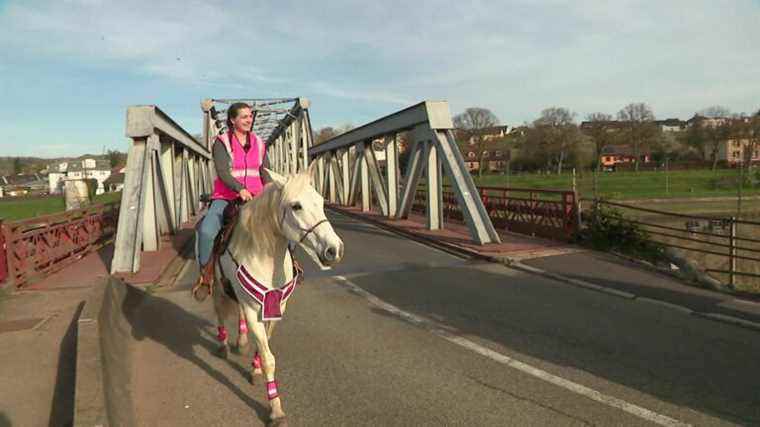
{"x": 239, "y": 156}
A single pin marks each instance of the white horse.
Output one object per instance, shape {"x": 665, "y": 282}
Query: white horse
{"x": 259, "y": 266}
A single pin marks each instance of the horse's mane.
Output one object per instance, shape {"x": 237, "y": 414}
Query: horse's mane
{"x": 258, "y": 224}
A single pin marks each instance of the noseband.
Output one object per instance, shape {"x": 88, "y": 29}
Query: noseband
{"x": 306, "y": 231}
{"x": 313, "y": 227}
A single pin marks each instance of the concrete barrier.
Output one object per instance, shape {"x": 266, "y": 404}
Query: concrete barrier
{"x": 103, "y": 393}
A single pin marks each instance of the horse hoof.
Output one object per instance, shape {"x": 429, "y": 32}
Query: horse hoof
{"x": 280, "y": 421}
{"x": 222, "y": 352}
{"x": 240, "y": 349}
{"x": 253, "y": 374}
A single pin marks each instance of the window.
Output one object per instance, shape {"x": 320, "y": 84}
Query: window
{"x": 498, "y": 153}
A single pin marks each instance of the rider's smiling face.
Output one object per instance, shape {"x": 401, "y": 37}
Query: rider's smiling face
{"x": 243, "y": 120}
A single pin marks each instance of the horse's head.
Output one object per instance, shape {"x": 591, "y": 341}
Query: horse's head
{"x": 302, "y": 218}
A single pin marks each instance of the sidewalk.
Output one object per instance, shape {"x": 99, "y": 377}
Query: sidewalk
{"x": 38, "y": 332}
{"x": 580, "y": 267}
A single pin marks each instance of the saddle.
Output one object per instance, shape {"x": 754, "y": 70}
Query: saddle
{"x": 203, "y": 287}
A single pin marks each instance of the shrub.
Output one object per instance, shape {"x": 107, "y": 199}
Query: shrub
{"x": 607, "y": 229}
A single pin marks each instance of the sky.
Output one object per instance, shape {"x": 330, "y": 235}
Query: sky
{"x": 70, "y": 68}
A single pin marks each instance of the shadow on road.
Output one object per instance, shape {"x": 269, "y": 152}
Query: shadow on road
{"x": 155, "y": 318}
{"x": 62, "y": 410}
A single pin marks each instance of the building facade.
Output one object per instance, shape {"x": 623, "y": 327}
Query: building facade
{"x": 99, "y": 170}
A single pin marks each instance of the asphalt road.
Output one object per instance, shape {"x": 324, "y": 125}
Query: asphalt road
{"x": 402, "y": 334}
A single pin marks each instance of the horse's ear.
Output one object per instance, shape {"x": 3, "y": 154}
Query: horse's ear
{"x": 278, "y": 179}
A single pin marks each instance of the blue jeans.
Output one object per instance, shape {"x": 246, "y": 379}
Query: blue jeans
{"x": 209, "y": 228}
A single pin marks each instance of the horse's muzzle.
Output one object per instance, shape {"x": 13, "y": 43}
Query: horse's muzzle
{"x": 332, "y": 254}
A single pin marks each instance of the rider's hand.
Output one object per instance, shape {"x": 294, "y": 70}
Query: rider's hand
{"x": 245, "y": 195}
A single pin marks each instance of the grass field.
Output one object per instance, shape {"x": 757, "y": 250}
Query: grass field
{"x": 631, "y": 185}
{"x": 11, "y": 210}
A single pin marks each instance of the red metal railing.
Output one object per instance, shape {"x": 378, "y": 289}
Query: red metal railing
{"x": 3, "y": 258}
{"x": 39, "y": 246}
{"x": 545, "y": 213}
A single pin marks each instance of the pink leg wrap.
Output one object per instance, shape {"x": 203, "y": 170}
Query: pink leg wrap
{"x": 243, "y": 327}
{"x": 257, "y": 361}
{"x": 272, "y": 390}
{"x": 222, "y": 334}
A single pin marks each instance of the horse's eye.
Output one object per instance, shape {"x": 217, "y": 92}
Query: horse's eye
{"x": 296, "y": 207}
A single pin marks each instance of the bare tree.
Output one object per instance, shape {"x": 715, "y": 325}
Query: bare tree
{"x": 715, "y": 134}
{"x": 641, "y": 127}
{"x": 560, "y": 134}
{"x": 599, "y": 131}
{"x": 324, "y": 134}
{"x": 474, "y": 122}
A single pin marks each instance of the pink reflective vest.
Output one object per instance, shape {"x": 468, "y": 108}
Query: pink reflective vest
{"x": 246, "y": 165}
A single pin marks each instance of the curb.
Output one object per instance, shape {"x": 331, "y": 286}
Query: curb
{"x": 89, "y": 393}
{"x": 517, "y": 265}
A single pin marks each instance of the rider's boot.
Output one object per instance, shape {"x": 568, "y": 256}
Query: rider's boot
{"x": 202, "y": 287}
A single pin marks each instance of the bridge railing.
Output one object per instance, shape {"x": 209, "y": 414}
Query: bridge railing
{"x": 545, "y": 213}
{"x": 167, "y": 172}
{"x": 35, "y": 247}
{"x": 349, "y": 167}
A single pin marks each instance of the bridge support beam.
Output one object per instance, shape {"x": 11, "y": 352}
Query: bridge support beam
{"x": 427, "y": 127}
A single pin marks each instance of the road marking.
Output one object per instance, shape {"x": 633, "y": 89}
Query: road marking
{"x": 589, "y": 393}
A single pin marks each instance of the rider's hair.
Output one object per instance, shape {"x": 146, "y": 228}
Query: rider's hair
{"x": 233, "y": 111}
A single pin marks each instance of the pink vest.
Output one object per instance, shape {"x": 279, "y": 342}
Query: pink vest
{"x": 245, "y": 165}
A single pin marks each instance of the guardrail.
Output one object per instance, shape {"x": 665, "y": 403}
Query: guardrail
{"x": 545, "y": 213}
{"x": 722, "y": 246}
{"x": 34, "y": 248}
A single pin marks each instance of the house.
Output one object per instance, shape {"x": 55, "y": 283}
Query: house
{"x": 115, "y": 182}
{"x": 735, "y": 151}
{"x": 613, "y": 155}
{"x": 22, "y": 184}
{"x": 488, "y": 134}
{"x": 494, "y": 155}
{"x": 671, "y": 125}
{"x": 609, "y": 125}
{"x": 78, "y": 169}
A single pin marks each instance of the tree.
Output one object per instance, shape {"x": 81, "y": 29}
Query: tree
{"x": 714, "y": 135}
{"x": 324, "y": 134}
{"x": 715, "y": 111}
{"x": 473, "y": 122}
{"x": 747, "y": 130}
{"x": 17, "y": 166}
{"x": 599, "y": 132}
{"x": 116, "y": 158}
{"x": 560, "y": 134}
{"x": 641, "y": 128}
{"x": 696, "y": 138}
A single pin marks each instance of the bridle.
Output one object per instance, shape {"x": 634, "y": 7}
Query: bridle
{"x": 306, "y": 231}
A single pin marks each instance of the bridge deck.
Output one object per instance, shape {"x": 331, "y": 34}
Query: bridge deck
{"x": 344, "y": 360}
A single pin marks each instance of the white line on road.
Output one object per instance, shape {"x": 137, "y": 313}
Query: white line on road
{"x": 516, "y": 364}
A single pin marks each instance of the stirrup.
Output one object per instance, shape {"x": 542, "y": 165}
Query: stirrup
{"x": 198, "y": 291}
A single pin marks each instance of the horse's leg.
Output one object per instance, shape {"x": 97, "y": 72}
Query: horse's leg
{"x": 267, "y": 361}
{"x": 221, "y": 306}
{"x": 242, "y": 341}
